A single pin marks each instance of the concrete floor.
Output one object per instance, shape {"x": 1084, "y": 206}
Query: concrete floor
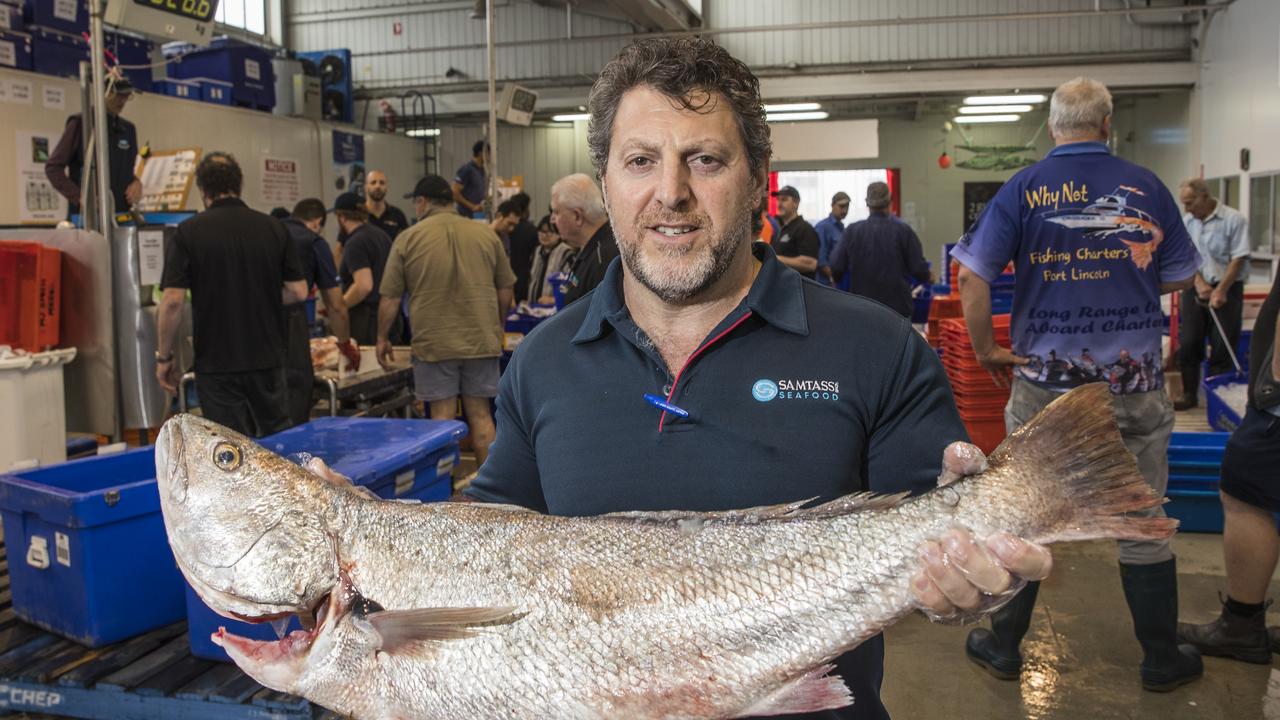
{"x": 1081, "y": 656}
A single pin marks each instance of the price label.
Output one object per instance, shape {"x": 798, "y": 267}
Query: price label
{"x": 8, "y": 54}
{"x": 252, "y": 70}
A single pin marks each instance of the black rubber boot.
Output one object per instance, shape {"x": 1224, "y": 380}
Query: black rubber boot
{"x": 1152, "y": 594}
{"x": 1273, "y": 634}
{"x": 996, "y": 650}
{"x": 1242, "y": 637}
{"x": 1190, "y": 388}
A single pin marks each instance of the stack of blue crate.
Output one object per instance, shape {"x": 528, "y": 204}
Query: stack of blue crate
{"x": 15, "y": 43}
{"x": 57, "y": 35}
{"x": 243, "y": 70}
{"x": 1195, "y": 461}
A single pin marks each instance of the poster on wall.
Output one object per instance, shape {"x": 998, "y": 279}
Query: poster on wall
{"x": 38, "y": 202}
{"x": 281, "y": 186}
{"x": 348, "y": 162}
{"x": 976, "y": 197}
{"x": 166, "y": 179}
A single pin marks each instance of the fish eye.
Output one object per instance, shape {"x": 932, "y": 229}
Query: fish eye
{"x": 226, "y": 456}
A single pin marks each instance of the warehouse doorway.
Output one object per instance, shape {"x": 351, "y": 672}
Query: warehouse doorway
{"x": 817, "y": 186}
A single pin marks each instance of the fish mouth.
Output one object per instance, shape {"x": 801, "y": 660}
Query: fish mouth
{"x": 248, "y": 652}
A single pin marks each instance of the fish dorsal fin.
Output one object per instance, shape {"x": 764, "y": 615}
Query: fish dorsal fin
{"x": 856, "y": 502}
{"x": 399, "y": 628}
{"x": 745, "y": 515}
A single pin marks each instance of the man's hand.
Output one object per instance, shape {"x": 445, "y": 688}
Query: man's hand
{"x": 168, "y": 376}
{"x": 1203, "y": 289}
{"x": 133, "y": 193}
{"x": 386, "y": 354}
{"x": 1218, "y": 296}
{"x": 999, "y": 361}
{"x": 961, "y": 574}
{"x": 351, "y": 352}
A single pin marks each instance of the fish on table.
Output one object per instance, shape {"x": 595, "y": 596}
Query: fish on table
{"x": 466, "y": 610}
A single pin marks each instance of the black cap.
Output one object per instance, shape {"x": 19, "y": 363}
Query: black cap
{"x": 348, "y": 201}
{"x": 119, "y": 85}
{"x": 432, "y": 187}
{"x": 787, "y": 190}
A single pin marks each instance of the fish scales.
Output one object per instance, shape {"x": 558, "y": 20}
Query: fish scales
{"x": 637, "y": 615}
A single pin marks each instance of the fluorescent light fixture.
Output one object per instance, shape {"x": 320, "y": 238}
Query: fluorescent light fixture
{"x": 572, "y": 117}
{"x": 792, "y": 107}
{"x": 1003, "y": 99}
{"x": 969, "y": 119}
{"x": 423, "y": 132}
{"x": 789, "y": 116}
{"x": 993, "y": 109}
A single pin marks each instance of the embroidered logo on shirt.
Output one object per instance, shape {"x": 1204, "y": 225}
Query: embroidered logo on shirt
{"x": 765, "y": 390}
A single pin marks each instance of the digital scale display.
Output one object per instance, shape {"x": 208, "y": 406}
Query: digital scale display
{"x": 186, "y": 20}
{"x": 201, "y": 10}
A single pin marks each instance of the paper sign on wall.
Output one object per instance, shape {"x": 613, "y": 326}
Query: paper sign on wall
{"x": 348, "y": 162}
{"x": 281, "y": 185}
{"x": 150, "y": 256}
{"x": 55, "y": 98}
{"x": 39, "y": 202}
{"x": 20, "y": 92}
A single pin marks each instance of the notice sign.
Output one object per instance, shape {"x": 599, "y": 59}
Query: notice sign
{"x": 38, "y": 202}
{"x": 281, "y": 186}
{"x": 348, "y": 162}
{"x": 150, "y": 256}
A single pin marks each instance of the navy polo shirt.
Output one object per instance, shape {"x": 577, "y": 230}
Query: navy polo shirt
{"x": 802, "y": 391}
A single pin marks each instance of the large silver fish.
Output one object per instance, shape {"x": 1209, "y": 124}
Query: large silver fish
{"x": 457, "y": 610}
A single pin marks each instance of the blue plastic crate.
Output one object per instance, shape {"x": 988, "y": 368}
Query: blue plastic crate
{"x": 15, "y": 50}
{"x": 186, "y": 89}
{"x": 68, "y": 16}
{"x": 133, "y": 52}
{"x": 57, "y": 53}
{"x": 214, "y": 91}
{"x": 88, "y": 556}
{"x": 1222, "y": 416}
{"x": 247, "y": 67}
{"x": 1196, "y": 510}
{"x": 11, "y": 17}
{"x": 402, "y": 459}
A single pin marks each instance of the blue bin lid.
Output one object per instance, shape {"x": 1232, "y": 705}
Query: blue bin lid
{"x": 88, "y": 492}
{"x": 366, "y": 449}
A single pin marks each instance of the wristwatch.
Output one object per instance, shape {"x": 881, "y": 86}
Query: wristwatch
{"x": 166, "y": 359}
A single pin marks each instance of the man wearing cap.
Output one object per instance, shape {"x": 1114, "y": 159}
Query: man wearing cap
{"x": 879, "y": 254}
{"x": 469, "y": 184}
{"x": 65, "y": 166}
{"x": 829, "y": 232}
{"x": 459, "y": 282}
{"x": 364, "y": 256}
{"x": 797, "y": 244}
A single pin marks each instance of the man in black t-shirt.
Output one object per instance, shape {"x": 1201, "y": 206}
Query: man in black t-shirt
{"x": 522, "y": 242}
{"x": 364, "y": 256}
{"x": 797, "y": 243}
{"x": 383, "y": 215}
{"x": 241, "y": 269}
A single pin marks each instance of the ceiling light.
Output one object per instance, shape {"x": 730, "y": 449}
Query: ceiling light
{"x": 992, "y": 109}
{"x": 792, "y": 107}
{"x": 1003, "y": 99}
{"x": 423, "y": 132}
{"x": 789, "y": 116}
{"x": 970, "y": 119}
{"x": 573, "y": 117}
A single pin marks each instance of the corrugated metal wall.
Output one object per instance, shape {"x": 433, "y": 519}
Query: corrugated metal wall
{"x": 541, "y": 154}
{"x": 435, "y": 36}
{"x": 929, "y": 42}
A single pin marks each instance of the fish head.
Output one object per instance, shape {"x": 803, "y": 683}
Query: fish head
{"x": 248, "y": 528}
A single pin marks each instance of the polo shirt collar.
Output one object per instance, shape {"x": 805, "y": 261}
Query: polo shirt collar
{"x": 776, "y": 295}
{"x": 227, "y": 201}
{"x": 1089, "y": 147}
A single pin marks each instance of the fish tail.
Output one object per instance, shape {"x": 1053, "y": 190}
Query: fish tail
{"x": 1088, "y": 478}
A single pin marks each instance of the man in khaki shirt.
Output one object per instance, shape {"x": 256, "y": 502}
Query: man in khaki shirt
{"x": 459, "y": 283}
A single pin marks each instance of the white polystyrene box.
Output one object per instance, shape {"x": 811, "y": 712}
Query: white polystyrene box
{"x": 33, "y": 419}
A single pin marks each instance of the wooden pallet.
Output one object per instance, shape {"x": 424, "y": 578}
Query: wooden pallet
{"x": 149, "y": 677}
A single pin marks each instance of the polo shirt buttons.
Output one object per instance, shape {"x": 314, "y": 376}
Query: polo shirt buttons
{"x": 666, "y": 389}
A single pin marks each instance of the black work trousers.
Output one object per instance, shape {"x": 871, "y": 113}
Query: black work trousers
{"x": 299, "y": 374}
{"x": 364, "y": 324}
{"x": 251, "y": 403}
{"x": 1195, "y": 326}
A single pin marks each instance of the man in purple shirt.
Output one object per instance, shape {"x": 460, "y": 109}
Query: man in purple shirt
{"x": 1095, "y": 241}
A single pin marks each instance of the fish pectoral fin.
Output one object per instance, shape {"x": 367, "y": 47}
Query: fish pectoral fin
{"x": 399, "y": 628}
{"x": 812, "y": 692}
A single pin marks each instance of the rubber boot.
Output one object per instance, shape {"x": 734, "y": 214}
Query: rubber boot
{"x": 1242, "y": 637}
{"x": 1190, "y": 388}
{"x": 996, "y": 650}
{"x": 1152, "y": 594}
{"x": 1273, "y": 634}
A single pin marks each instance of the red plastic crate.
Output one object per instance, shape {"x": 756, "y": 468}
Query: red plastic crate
{"x": 986, "y": 434}
{"x": 30, "y": 295}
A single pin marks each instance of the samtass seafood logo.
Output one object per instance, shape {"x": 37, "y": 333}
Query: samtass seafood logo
{"x": 765, "y": 390}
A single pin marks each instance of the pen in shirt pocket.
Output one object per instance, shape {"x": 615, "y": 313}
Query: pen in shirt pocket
{"x": 662, "y": 404}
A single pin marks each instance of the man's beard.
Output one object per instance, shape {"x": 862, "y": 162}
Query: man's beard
{"x": 678, "y": 274}
{"x": 377, "y": 195}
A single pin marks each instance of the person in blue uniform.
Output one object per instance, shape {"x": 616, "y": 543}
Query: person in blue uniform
{"x": 703, "y": 374}
{"x": 830, "y": 229}
{"x": 1095, "y": 241}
